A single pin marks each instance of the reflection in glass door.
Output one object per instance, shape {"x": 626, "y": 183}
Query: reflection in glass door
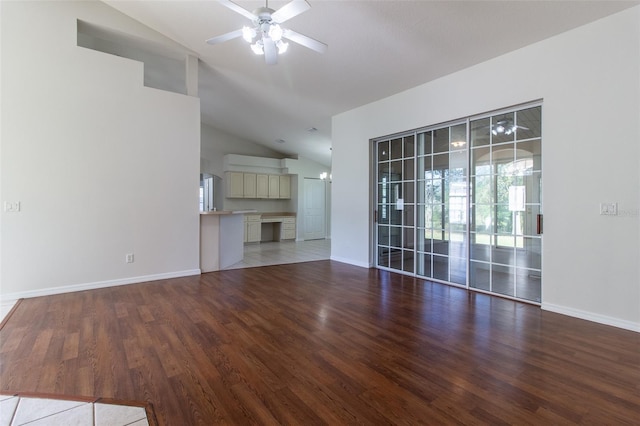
{"x": 461, "y": 203}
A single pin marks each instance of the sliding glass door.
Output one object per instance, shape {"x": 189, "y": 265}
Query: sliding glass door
{"x": 395, "y": 210}
{"x": 506, "y": 183}
{"x": 461, "y": 203}
{"x": 442, "y": 204}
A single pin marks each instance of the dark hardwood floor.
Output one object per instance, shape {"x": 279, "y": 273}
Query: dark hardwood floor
{"x": 322, "y": 343}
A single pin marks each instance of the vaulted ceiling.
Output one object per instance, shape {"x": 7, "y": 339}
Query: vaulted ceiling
{"x": 376, "y": 49}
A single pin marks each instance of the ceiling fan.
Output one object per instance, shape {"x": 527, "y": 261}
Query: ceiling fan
{"x": 266, "y": 35}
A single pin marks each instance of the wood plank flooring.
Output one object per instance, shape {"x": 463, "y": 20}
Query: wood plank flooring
{"x": 322, "y": 343}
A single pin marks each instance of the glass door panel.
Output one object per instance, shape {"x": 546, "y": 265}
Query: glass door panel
{"x": 395, "y": 203}
{"x": 506, "y": 182}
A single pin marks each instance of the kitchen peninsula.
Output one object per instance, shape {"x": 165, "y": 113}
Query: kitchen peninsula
{"x": 221, "y": 239}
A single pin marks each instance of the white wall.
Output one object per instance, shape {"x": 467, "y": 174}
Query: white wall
{"x": 588, "y": 79}
{"x": 102, "y": 165}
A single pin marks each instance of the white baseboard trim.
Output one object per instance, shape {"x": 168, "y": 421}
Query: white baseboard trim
{"x": 11, "y": 298}
{"x": 350, "y": 262}
{"x": 590, "y": 316}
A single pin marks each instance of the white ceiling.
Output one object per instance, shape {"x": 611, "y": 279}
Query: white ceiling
{"x": 376, "y": 49}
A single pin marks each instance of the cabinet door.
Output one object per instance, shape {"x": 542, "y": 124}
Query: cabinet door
{"x": 288, "y": 230}
{"x": 254, "y": 232}
{"x": 249, "y": 185}
{"x": 235, "y": 184}
{"x": 262, "y": 183}
{"x": 274, "y": 186}
{"x": 285, "y": 186}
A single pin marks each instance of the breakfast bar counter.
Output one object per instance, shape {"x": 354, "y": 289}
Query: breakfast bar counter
{"x": 221, "y": 239}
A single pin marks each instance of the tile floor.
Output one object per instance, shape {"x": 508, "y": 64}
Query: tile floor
{"x": 278, "y": 253}
{"x": 31, "y": 411}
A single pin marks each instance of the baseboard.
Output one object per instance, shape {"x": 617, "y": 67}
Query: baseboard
{"x": 590, "y": 316}
{"x": 350, "y": 262}
{"x": 11, "y": 298}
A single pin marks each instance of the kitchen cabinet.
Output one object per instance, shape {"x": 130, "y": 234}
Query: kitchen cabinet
{"x": 285, "y": 187}
{"x": 252, "y": 228}
{"x": 235, "y": 184}
{"x": 274, "y": 186}
{"x": 262, "y": 186}
{"x": 249, "y": 185}
{"x": 259, "y": 186}
{"x": 288, "y": 228}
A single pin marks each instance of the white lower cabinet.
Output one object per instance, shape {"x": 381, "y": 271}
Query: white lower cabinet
{"x": 288, "y": 228}
{"x": 252, "y": 228}
{"x": 284, "y": 227}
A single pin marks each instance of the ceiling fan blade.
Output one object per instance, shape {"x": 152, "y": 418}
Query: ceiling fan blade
{"x": 305, "y": 41}
{"x": 270, "y": 51}
{"x": 289, "y": 10}
{"x": 238, "y": 9}
{"x": 225, "y": 37}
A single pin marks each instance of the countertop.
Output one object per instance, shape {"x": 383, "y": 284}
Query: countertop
{"x": 277, "y": 214}
{"x": 225, "y": 212}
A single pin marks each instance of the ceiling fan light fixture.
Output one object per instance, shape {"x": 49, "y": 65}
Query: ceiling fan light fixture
{"x": 504, "y": 127}
{"x": 275, "y": 32}
{"x": 257, "y": 48}
{"x": 248, "y": 34}
{"x": 282, "y": 46}
{"x": 266, "y": 36}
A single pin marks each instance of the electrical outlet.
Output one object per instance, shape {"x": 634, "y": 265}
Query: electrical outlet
{"x": 129, "y": 258}
{"x": 12, "y": 206}
{"x": 609, "y": 209}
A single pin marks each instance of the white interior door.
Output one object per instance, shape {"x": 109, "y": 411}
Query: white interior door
{"x": 314, "y": 209}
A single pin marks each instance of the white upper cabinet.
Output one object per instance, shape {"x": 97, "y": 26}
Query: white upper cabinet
{"x": 285, "y": 187}
{"x": 249, "y": 185}
{"x": 259, "y": 186}
{"x": 262, "y": 190}
{"x": 274, "y": 186}
{"x": 235, "y": 184}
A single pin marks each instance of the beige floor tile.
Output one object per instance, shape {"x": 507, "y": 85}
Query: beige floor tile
{"x": 8, "y": 406}
{"x": 30, "y": 409}
{"x": 275, "y": 253}
{"x": 117, "y": 415}
{"x": 78, "y": 416}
